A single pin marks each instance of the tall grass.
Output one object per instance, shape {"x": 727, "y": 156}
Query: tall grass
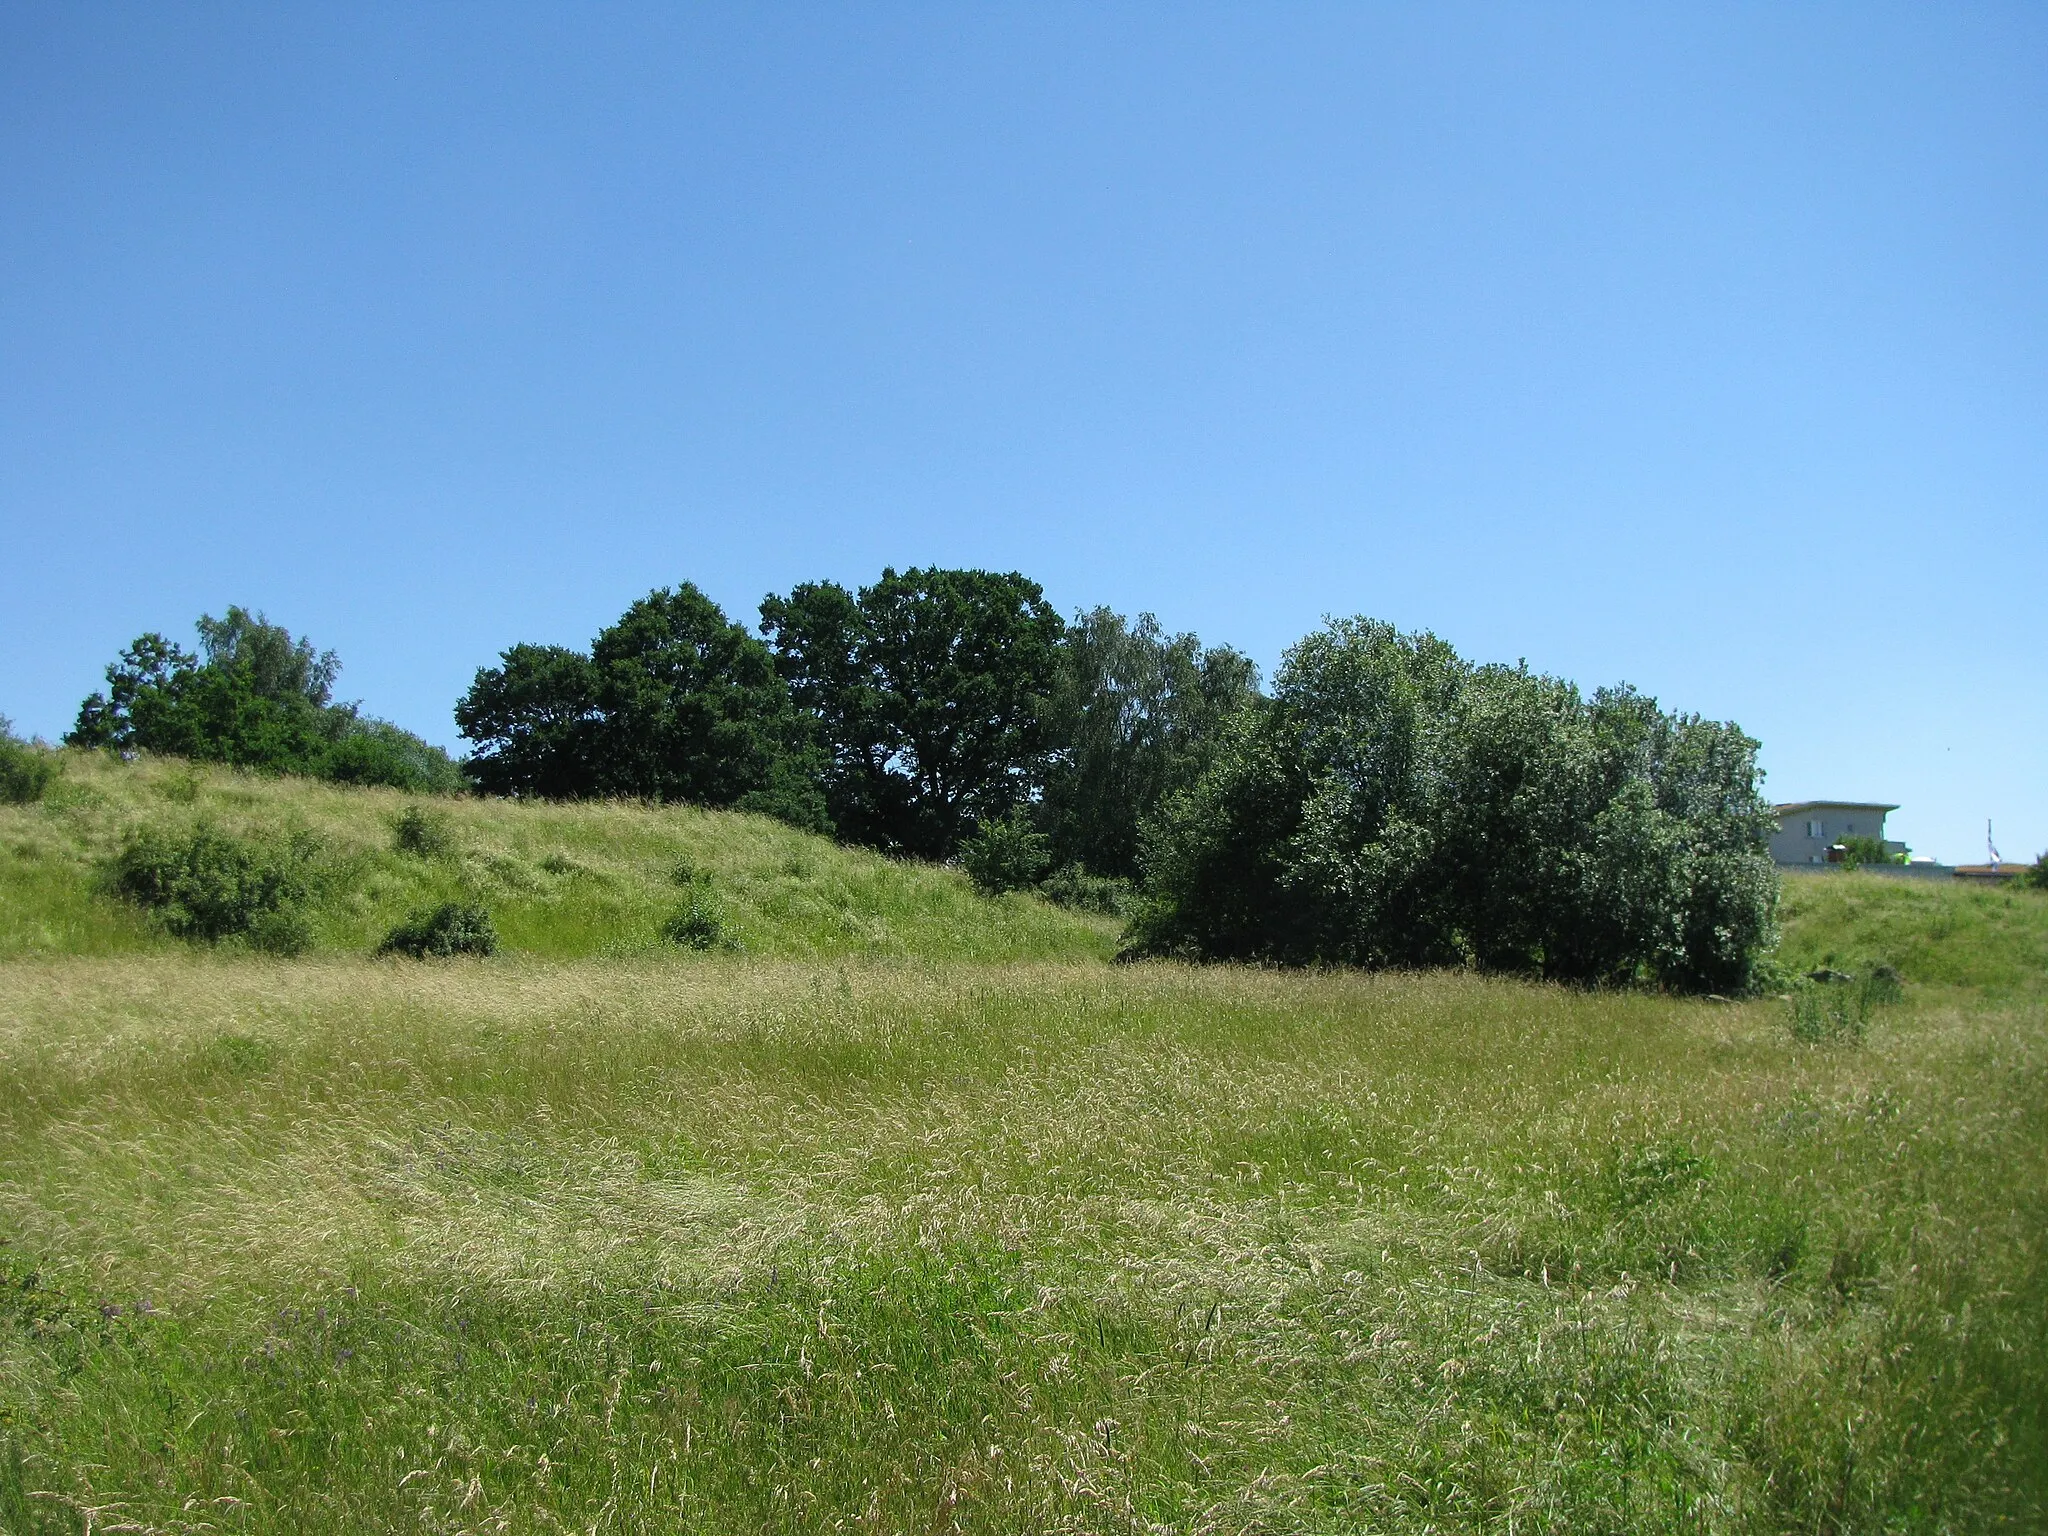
{"x": 734, "y": 1245}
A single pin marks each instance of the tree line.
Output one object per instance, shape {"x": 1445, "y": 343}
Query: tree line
{"x": 1386, "y": 803}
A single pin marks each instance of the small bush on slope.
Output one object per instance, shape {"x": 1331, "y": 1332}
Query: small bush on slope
{"x": 27, "y": 770}
{"x": 1005, "y": 854}
{"x": 209, "y": 885}
{"x": 453, "y": 928}
{"x": 423, "y": 833}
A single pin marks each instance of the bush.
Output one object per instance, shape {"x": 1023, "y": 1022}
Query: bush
{"x": 698, "y": 924}
{"x": 1073, "y": 887}
{"x": 1005, "y": 855}
{"x": 370, "y": 751}
{"x": 285, "y": 931}
{"x": 27, "y": 769}
{"x": 1823, "y": 1012}
{"x": 212, "y": 886}
{"x": 2037, "y": 877}
{"x": 1395, "y": 805}
{"x": 1857, "y": 851}
{"x": 453, "y": 928}
{"x": 423, "y": 833}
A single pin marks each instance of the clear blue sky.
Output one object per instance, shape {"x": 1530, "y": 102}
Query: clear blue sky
{"x": 1700, "y": 346}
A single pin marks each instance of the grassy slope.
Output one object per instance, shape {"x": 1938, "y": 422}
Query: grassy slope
{"x": 560, "y": 881}
{"x": 1945, "y": 933}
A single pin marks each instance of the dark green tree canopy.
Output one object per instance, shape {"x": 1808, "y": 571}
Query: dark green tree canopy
{"x": 533, "y": 719}
{"x": 1135, "y": 712}
{"x": 673, "y": 702}
{"x": 254, "y": 697}
{"x": 690, "y": 706}
{"x": 930, "y": 689}
{"x": 1395, "y": 805}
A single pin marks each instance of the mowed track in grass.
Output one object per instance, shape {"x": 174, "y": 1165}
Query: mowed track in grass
{"x": 729, "y": 1245}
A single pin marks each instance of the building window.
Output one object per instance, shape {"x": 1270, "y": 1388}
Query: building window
{"x": 1813, "y": 829}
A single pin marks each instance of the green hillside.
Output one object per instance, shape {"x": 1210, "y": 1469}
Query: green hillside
{"x": 1944, "y": 933}
{"x": 559, "y": 880}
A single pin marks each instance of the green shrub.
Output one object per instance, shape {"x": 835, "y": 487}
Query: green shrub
{"x": 423, "y": 833}
{"x": 285, "y": 931}
{"x": 1858, "y": 851}
{"x": 212, "y": 886}
{"x": 1880, "y": 984}
{"x": 180, "y": 788}
{"x": 1005, "y": 855}
{"x": 1825, "y": 1011}
{"x": 453, "y": 928}
{"x": 1394, "y": 805}
{"x": 1073, "y": 887}
{"x": 2037, "y": 877}
{"x": 257, "y": 698}
{"x": 698, "y": 924}
{"x": 27, "y": 770}
{"x": 371, "y": 751}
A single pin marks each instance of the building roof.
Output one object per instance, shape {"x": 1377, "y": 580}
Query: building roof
{"x": 1831, "y": 805}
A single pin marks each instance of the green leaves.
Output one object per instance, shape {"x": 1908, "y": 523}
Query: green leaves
{"x": 259, "y": 699}
{"x": 27, "y": 769}
{"x": 453, "y": 928}
{"x": 211, "y": 886}
{"x": 930, "y": 690}
{"x": 1135, "y": 712}
{"x": 1398, "y": 806}
{"x": 1007, "y": 854}
{"x": 674, "y": 702}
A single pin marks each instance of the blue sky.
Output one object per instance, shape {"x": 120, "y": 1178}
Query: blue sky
{"x": 1697, "y": 346}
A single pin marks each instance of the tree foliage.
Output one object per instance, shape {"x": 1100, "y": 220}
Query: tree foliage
{"x": 1858, "y": 850}
{"x": 27, "y": 768}
{"x": 930, "y": 691}
{"x": 673, "y": 702}
{"x": 1394, "y": 805}
{"x": 533, "y": 718}
{"x": 1135, "y": 712}
{"x": 257, "y": 698}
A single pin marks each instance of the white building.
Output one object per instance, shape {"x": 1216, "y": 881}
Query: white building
{"x": 1807, "y": 829}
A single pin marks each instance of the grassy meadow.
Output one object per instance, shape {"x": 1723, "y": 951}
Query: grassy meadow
{"x": 918, "y": 1216}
